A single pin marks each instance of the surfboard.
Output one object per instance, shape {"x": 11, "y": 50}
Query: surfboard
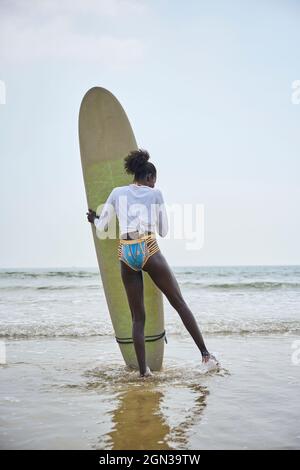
{"x": 105, "y": 138}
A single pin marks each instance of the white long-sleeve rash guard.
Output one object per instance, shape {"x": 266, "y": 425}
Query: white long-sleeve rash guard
{"x": 138, "y": 208}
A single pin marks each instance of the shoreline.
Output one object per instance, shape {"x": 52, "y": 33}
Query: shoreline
{"x": 72, "y": 393}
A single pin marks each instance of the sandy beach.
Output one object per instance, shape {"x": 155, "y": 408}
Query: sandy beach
{"x": 65, "y": 386}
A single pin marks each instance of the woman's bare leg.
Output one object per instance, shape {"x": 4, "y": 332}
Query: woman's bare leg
{"x": 162, "y": 275}
{"x": 133, "y": 283}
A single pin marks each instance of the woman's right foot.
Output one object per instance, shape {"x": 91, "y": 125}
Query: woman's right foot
{"x": 210, "y": 361}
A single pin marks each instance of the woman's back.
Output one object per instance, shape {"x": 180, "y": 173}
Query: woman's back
{"x": 139, "y": 208}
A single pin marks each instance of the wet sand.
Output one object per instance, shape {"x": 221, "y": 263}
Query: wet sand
{"x": 76, "y": 393}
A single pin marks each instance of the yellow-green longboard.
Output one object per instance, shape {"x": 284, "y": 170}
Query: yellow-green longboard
{"x": 106, "y": 137}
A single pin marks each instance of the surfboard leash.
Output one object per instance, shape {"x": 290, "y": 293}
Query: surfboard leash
{"x": 147, "y": 338}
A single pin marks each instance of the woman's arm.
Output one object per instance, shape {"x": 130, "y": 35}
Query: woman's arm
{"x": 162, "y": 223}
{"x": 101, "y": 222}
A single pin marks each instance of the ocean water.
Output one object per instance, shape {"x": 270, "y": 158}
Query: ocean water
{"x": 64, "y": 383}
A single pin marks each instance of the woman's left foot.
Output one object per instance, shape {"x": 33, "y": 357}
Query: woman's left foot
{"x": 148, "y": 373}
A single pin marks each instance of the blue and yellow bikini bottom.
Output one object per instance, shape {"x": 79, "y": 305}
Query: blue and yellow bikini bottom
{"x": 135, "y": 253}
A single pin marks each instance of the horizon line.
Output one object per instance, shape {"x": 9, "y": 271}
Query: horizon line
{"x": 173, "y": 266}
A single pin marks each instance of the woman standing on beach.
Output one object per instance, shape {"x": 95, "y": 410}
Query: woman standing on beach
{"x": 138, "y": 250}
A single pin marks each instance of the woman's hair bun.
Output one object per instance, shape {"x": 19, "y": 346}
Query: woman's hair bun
{"x": 136, "y": 160}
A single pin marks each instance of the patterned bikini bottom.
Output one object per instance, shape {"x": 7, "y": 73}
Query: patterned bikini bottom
{"x": 135, "y": 253}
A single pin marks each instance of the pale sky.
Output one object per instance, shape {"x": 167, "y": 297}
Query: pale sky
{"x": 207, "y": 87}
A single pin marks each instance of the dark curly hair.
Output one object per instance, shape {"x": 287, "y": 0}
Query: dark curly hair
{"x": 137, "y": 164}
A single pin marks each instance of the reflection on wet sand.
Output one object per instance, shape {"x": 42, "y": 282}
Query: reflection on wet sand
{"x": 139, "y": 421}
{"x": 158, "y": 413}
